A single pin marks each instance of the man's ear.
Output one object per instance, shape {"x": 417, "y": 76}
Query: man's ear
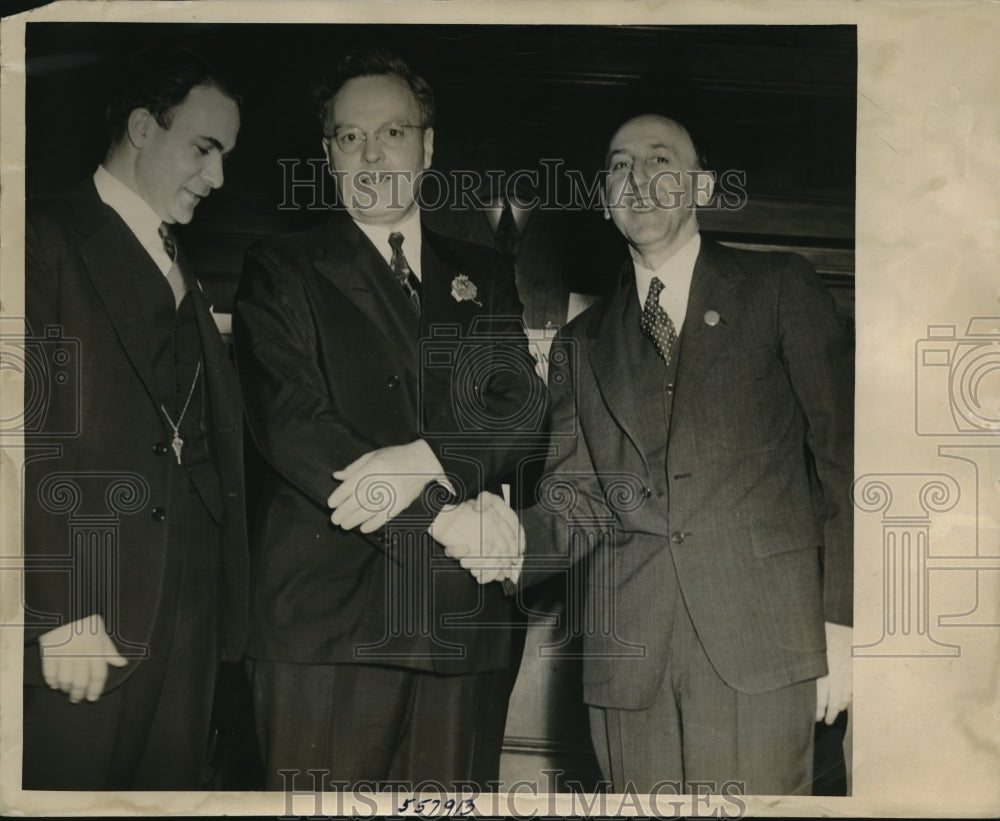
{"x": 140, "y": 126}
{"x": 428, "y": 147}
{"x": 703, "y": 185}
{"x": 328, "y": 151}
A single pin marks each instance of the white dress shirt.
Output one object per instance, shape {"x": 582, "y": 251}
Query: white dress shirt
{"x": 675, "y": 274}
{"x": 412, "y": 240}
{"x": 135, "y": 211}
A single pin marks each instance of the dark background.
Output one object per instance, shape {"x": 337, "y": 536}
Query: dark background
{"x": 775, "y": 102}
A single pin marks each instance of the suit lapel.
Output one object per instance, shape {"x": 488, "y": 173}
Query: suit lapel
{"x": 112, "y": 255}
{"x": 223, "y": 388}
{"x": 714, "y": 297}
{"x": 619, "y": 361}
{"x": 439, "y": 268}
{"x": 361, "y": 274}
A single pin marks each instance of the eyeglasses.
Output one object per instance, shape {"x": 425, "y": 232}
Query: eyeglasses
{"x": 391, "y": 135}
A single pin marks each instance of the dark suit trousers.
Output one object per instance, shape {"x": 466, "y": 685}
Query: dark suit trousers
{"x": 150, "y": 733}
{"x": 699, "y": 729}
{"x": 366, "y": 723}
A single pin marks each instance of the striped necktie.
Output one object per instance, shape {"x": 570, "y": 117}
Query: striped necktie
{"x": 175, "y": 276}
{"x": 404, "y": 274}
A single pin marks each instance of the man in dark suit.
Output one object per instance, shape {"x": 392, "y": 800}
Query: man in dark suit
{"x": 135, "y": 537}
{"x": 702, "y": 425}
{"x": 386, "y": 374}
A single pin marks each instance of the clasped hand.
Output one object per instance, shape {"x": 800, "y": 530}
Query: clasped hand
{"x": 381, "y": 484}
{"x": 484, "y": 536}
{"x": 75, "y": 658}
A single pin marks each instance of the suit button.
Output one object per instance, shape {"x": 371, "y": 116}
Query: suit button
{"x": 159, "y": 449}
{"x": 159, "y": 514}
{"x": 646, "y": 493}
{"x": 677, "y": 537}
{"x": 393, "y": 381}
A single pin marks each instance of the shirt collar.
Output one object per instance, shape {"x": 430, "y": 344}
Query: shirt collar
{"x": 135, "y": 213}
{"x": 676, "y": 274}
{"x": 412, "y": 240}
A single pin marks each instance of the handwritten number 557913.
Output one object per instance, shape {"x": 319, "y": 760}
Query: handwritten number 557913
{"x": 435, "y": 806}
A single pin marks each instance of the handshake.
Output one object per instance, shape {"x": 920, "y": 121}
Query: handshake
{"x": 482, "y": 534}
{"x": 485, "y": 537}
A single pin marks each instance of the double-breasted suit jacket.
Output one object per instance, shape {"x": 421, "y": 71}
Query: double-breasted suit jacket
{"x": 549, "y": 252}
{"x": 98, "y": 461}
{"x": 730, "y": 486}
{"x": 335, "y": 363}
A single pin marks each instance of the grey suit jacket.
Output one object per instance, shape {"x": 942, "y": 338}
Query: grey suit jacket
{"x": 749, "y": 508}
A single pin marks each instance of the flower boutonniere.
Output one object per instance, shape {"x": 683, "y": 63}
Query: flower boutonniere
{"x": 464, "y": 289}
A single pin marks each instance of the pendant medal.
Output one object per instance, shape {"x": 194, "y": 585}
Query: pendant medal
{"x": 177, "y": 444}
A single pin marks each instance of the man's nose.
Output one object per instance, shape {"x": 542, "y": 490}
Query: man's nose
{"x": 372, "y": 149}
{"x": 212, "y": 173}
{"x": 639, "y": 174}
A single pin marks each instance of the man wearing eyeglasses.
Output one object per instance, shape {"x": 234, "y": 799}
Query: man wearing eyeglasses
{"x": 387, "y": 376}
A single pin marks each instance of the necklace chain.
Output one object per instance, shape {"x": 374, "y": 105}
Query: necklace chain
{"x": 177, "y": 443}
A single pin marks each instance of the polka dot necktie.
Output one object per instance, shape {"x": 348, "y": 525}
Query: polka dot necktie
{"x": 656, "y": 323}
{"x": 175, "y": 276}
{"x": 401, "y": 268}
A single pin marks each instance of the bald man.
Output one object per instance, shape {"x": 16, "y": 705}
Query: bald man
{"x": 703, "y": 417}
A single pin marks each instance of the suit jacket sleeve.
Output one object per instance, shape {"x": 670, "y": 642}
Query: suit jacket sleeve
{"x": 570, "y": 489}
{"x": 45, "y": 592}
{"x": 817, "y": 349}
{"x": 293, "y": 419}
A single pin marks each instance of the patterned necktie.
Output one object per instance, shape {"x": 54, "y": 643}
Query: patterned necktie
{"x": 656, "y": 323}
{"x": 404, "y": 274}
{"x": 175, "y": 276}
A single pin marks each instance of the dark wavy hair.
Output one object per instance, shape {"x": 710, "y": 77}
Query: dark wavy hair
{"x": 159, "y": 79}
{"x": 372, "y": 63}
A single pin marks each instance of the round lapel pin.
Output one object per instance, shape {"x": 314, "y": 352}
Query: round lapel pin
{"x": 712, "y": 318}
